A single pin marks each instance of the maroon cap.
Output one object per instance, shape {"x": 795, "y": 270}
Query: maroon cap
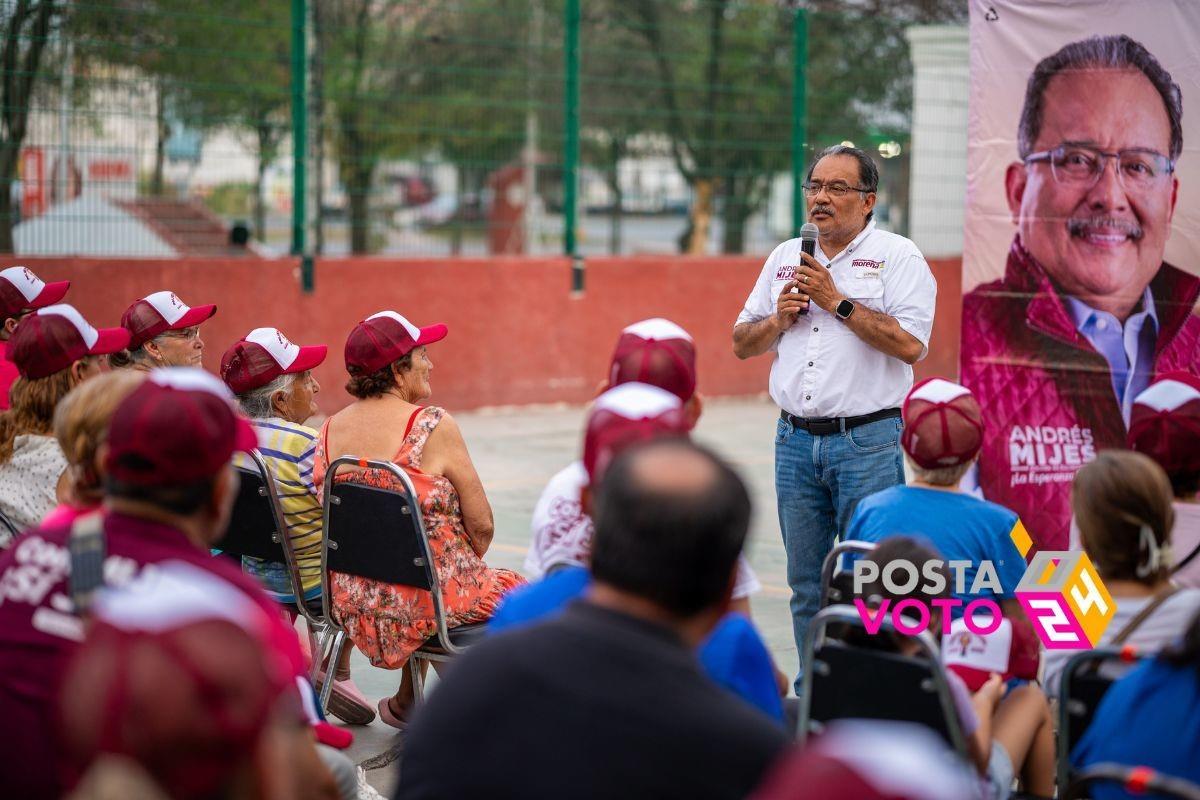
{"x": 943, "y": 426}
{"x": 262, "y": 356}
{"x": 158, "y": 313}
{"x": 53, "y": 338}
{"x": 178, "y": 427}
{"x": 658, "y": 352}
{"x": 624, "y": 415}
{"x": 177, "y": 674}
{"x": 385, "y": 337}
{"x": 1165, "y": 422}
{"x": 859, "y": 759}
{"x": 21, "y": 290}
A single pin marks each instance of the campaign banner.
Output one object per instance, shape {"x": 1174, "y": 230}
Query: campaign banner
{"x": 1082, "y": 233}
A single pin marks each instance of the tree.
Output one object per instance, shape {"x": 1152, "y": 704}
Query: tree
{"x": 28, "y": 25}
{"x": 226, "y": 65}
{"x": 722, "y": 69}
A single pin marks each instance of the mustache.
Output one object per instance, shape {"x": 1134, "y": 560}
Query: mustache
{"x": 823, "y": 208}
{"x": 1077, "y": 226}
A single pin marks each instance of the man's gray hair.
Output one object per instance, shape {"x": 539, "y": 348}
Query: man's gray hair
{"x": 868, "y": 170}
{"x": 256, "y": 403}
{"x": 1099, "y": 52}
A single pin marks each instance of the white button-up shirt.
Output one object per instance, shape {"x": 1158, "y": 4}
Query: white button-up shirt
{"x": 822, "y": 368}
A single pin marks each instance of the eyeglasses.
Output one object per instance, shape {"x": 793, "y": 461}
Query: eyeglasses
{"x": 191, "y": 334}
{"x": 835, "y": 189}
{"x": 1080, "y": 165}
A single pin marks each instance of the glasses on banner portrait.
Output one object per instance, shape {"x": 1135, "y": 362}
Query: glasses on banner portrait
{"x": 1081, "y": 165}
{"x": 834, "y": 189}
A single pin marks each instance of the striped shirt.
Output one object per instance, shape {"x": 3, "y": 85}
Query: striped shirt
{"x": 288, "y": 450}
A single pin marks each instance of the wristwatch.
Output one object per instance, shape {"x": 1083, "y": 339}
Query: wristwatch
{"x": 844, "y": 309}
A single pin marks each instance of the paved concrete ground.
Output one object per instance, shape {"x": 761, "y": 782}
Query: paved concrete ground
{"x": 516, "y": 452}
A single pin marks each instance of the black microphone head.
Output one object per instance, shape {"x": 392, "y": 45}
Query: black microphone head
{"x": 808, "y": 231}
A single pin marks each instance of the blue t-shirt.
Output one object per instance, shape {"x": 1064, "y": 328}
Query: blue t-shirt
{"x": 734, "y": 655}
{"x": 1148, "y": 718}
{"x": 959, "y": 526}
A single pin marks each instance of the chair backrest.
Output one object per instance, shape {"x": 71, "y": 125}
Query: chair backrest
{"x": 842, "y": 681}
{"x": 836, "y": 586}
{"x": 1082, "y": 686}
{"x": 1135, "y": 780}
{"x": 255, "y": 528}
{"x": 376, "y": 533}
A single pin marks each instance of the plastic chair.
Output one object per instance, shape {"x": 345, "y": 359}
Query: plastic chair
{"x": 1081, "y": 688}
{"x": 844, "y": 681}
{"x": 1135, "y": 780}
{"x": 379, "y": 534}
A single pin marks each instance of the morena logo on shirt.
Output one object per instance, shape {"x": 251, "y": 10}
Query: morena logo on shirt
{"x": 1061, "y": 593}
{"x": 866, "y": 263}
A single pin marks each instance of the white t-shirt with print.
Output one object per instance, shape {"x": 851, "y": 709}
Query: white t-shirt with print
{"x": 562, "y": 533}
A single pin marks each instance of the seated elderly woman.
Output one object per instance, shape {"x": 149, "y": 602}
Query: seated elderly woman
{"x": 274, "y": 384}
{"x": 389, "y": 374}
{"x": 1122, "y": 504}
{"x": 163, "y": 332}
{"x": 81, "y": 425}
{"x": 54, "y": 349}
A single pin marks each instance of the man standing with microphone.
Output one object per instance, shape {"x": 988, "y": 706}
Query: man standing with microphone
{"x": 846, "y": 323}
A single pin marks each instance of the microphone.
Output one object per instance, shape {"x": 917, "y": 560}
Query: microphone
{"x": 808, "y": 243}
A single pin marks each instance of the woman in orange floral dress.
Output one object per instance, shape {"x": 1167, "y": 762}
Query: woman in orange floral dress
{"x": 389, "y": 374}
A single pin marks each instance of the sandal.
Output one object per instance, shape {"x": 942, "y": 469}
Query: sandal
{"x": 389, "y": 717}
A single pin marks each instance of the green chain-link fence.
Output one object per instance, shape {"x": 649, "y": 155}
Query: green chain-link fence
{"x": 448, "y": 127}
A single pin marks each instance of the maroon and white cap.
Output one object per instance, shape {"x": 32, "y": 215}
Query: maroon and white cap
{"x": 161, "y": 312}
{"x": 625, "y": 415}
{"x": 1165, "y": 422}
{"x": 943, "y": 426}
{"x": 20, "y": 290}
{"x": 385, "y": 337}
{"x": 658, "y": 352}
{"x": 262, "y": 356}
{"x": 859, "y": 759}
{"x": 180, "y": 673}
{"x": 178, "y": 427}
{"x": 53, "y": 338}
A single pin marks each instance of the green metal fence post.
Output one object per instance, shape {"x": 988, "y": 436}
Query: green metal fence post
{"x": 300, "y": 141}
{"x": 799, "y": 111}
{"x": 571, "y": 144}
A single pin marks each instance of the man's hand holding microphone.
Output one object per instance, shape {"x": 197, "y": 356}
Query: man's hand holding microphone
{"x": 793, "y": 300}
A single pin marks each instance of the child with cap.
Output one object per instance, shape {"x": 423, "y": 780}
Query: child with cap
{"x": 943, "y": 432}
{"x": 20, "y": 293}
{"x": 390, "y": 373}
{"x": 733, "y": 654}
{"x": 1009, "y": 731}
{"x": 170, "y": 487}
{"x": 163, "y": 332}
{"x": 54, "y": 350}
{"x": 1165, "y": 425}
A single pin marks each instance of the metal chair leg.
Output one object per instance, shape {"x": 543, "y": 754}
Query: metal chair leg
{"x": 418, "y": 679}
{"x": 326, "y": 689}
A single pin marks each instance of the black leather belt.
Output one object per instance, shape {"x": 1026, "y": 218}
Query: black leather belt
{"x": 823, "y": 426}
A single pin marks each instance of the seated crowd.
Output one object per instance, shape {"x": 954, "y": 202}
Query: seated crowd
{"x": 137, "y": 660}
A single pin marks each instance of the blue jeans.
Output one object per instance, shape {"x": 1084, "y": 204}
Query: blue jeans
{"x": 818, "y": 482}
